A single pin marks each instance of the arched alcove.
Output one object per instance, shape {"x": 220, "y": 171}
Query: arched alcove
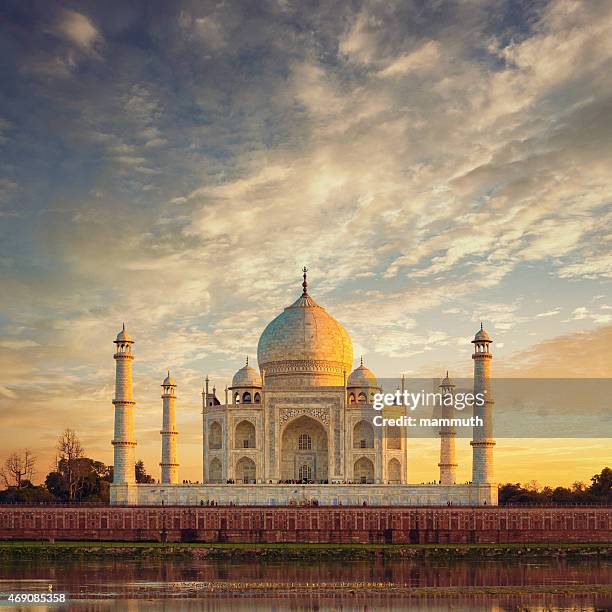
{"x": 244, "y": 436}
{"x": 364, "y": 470}
{"x": 363, "y": 435}
{"x": 215, "y": 436}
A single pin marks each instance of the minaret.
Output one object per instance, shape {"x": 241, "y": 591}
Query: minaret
{"x": 205, "y": 396}
{"x": 447, "y": 465}
{"x": 482, "y": 442}
{"x": 123, "y": 440}
{"x": 169, "y": 465}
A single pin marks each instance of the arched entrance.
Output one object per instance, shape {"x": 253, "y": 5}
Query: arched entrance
{"x": 245, "y": 471}
{"x": 304, "y": 453}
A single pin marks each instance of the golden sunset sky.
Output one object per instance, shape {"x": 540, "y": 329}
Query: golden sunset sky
{"x": 434, "y": 164}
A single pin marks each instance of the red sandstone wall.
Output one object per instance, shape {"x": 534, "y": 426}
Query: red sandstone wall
{"x": 289, "y": 524}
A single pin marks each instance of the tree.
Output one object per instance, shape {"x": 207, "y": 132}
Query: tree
{"x": 90, "y": 480}
{"x": 141, "y": 474}
{"x": 56, "y": 485}
{"x": 18, "y": 468}
{"x": 601, "y": 485}
{"x": 69, "y": 452}
{"x": 26, "y": 494}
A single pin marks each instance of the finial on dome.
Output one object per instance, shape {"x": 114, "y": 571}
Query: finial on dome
{"x": 123, "y": 326}
{"x": 481, "y": 328}
{"x": 305, "y": 283}
{"x": 361, "y": 360}
{"x": 247, "y": 360}
{"x": 446, "y": 373}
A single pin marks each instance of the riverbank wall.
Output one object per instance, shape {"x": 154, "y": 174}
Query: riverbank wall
{"x": 338, "y": 524}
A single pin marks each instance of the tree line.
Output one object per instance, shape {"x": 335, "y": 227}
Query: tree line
{"x": 598, "y": 492}
{"x": 74, "y": 477}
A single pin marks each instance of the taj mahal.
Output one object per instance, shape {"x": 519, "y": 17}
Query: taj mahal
{"x": 299, "y": 428}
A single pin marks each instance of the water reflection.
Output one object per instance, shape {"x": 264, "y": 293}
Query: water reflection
{"x": 380, "y": 584}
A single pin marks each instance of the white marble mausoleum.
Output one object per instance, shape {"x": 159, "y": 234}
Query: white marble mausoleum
{"x": 298, "y": 428}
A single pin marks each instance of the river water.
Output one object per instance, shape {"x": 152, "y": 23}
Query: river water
{"x": 400, "y": 584}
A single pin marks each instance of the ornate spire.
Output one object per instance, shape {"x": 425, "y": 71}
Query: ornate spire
{"x": 481, "y": 326}
{"x": 305, "y": 283}
{"x": 247, "y": 360}
{"x": 361, "y": 361}
{"x": 123, "y": 326}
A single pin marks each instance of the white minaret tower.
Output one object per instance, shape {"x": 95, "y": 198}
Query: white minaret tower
{"x": 482, "y": 442}
{"x": 169, "y": 465}
{"x": 123, "y": 440}
{"x": 447, "y": 465}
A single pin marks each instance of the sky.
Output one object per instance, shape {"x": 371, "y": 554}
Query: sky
{"x": 173, "y": 165}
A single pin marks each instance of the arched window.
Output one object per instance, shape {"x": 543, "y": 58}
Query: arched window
{"x": 352, "y": 398}
{"x": 305, "y": 442}
{"x": 257, "y": 398}
{"x": 246, "y": 398}
{"x": 305, "y": 472}
{"x": 236, "y": 398}
{"x": 361, "y": 398}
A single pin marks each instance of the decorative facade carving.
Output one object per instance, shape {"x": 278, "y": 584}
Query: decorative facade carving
{"x": 288, "y": 414}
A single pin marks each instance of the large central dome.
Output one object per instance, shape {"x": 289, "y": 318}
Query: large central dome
{"x": 305, "y": 344}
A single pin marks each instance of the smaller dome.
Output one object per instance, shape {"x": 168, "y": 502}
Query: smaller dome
{"x": 362, "y": 377}
{"x": 482, "y": 335}
{"x": 123, "y": 336}
{"x": 168, "y": 381}
{"x": 246, "y": 377}
{"x": 447, "y": 381}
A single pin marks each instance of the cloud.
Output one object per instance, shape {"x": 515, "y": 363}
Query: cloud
{"x": 7, "y": 189}
{"x": 584, "y": 354}
{"x": 549, "y": 313}
{"x": 78, "y": 29}
{"x": 16, "y": 344}
{"x": 581, "y": 313}
{"x": 422, "y": 59}
{"x": 6, "y": 392}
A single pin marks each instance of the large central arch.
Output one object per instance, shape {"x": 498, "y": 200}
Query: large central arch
{"x": 304, "y": 450}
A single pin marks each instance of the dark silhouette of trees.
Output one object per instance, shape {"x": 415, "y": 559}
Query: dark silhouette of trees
{"x": 141, "y": 474}
{"x": 90, "y": 480}
{"x": 599, "y": 491}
